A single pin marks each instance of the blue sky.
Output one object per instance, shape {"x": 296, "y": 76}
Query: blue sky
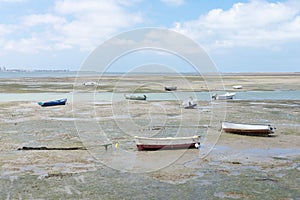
{"x": 238, "y": 35}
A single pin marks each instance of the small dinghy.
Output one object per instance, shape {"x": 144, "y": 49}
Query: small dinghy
{"x": 146, "y": 143}
{"x": 53, "y": 103}
{"x": 135, "y": 97}
{"x": 223, "y": 96}
{"x": 189, "y": 103}
{"x": 170, "y": 88}
{"x": 248, "y": 129}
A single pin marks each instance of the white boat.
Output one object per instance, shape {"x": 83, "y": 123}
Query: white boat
{"x": 237, "y": 87}
{"x": 189, "y": 103}
{"x": 146, "y": 143}
{"x": 223, "y": 96}
{"x": 135, "y": 97}
{"x": 90, "y": 83}
{"x": 248, "y": 129}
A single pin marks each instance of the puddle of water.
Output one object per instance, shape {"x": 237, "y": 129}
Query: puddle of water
{"x": 68, "y": 119}
{"x": 272, "y": 152}
{"x": 121, "y": 117}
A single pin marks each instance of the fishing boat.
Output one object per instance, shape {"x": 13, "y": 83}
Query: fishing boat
{"x": 189, "y": 103}
{"x": 53, "y": 103}
{"x": 146, "y": 143}
{"x": 248, "y": 129}
{"x": 173, "y": 88}
{"x": 135, "y": 97}
{"x": 223, "y": 96}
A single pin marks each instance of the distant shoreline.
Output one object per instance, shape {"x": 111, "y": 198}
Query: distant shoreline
{"x": 70, "y": 73}
{"x": 261, "y": 74}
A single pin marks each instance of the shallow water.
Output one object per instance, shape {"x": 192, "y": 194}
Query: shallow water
{"x": 180, "y": 96}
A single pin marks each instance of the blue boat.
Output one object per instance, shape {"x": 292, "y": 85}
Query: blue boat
{"x": 53, "y": 103}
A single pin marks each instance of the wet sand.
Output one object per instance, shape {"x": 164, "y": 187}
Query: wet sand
{"x": 238, "y": 167}
{"x": 155, "y": 83}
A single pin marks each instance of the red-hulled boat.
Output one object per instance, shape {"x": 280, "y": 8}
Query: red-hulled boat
{"x": 146, "y": 143}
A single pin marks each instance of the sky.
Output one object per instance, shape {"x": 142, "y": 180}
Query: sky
{"x": 238, "y": 35}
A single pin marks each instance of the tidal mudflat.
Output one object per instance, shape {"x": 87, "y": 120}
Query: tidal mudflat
{"x": 238, "y": 167}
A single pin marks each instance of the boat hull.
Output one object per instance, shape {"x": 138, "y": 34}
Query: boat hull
{"x": 143, "y": 143}
{"x": 149, "y": 147}
{"x": 190, "y": 106}
{"x": 226, "y": 96}
{"x": 170, "y": 88}
{"x": 134, "y": 97}
{"x": 223, "y": 97}
{"x": 247, "y": 132}
{"x": 237, "y": 87}
{"x": 247, "y": 129}
{"x": 53, "y": 103}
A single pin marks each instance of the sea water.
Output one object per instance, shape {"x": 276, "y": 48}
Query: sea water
{"x": 162, "y": 96}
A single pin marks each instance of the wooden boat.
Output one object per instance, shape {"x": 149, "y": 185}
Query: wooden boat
{"x": 145, "y": 143}
{"x": 189, "y": 103}
{"x": 223, "y": 96}
{"x": 135, "y": 97}
{"x": 53, "y": 103}
{"x": 248, "y": 129}
{"x": 170, "y": 88}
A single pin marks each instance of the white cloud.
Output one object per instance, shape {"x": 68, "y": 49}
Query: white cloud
{"x": 173, "y": 2}
{"x": 69, "y": 24}
{"x": 93, "y": 21}
{"x": 37, "y": 19}
{"x": 257, "y": 23}
{"x": 6, "y": 29}
{"x": 28, "y": 45}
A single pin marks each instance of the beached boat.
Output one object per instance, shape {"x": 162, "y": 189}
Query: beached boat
{"x": 53, "y": 103}
{"x": 135, "y": 97}
{"x": 248, "y": 129}
{"x": 237, "y": 87}
{"x": 189, "y": 103}
{"x": 171, "y": 88}
{"x": 90, "y": 83}
{"x": 223, "y": 96}
{"x": 146, "y": 143}
{"x": 192, "y": 106}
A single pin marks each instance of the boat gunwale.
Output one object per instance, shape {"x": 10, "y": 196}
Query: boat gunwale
{"x": 169, "y": 138}
{"x": 267, "y": 125}
{"x": 250, "y": 130}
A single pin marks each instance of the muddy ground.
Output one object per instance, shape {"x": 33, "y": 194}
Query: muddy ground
{"x": 237, "y": 166}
